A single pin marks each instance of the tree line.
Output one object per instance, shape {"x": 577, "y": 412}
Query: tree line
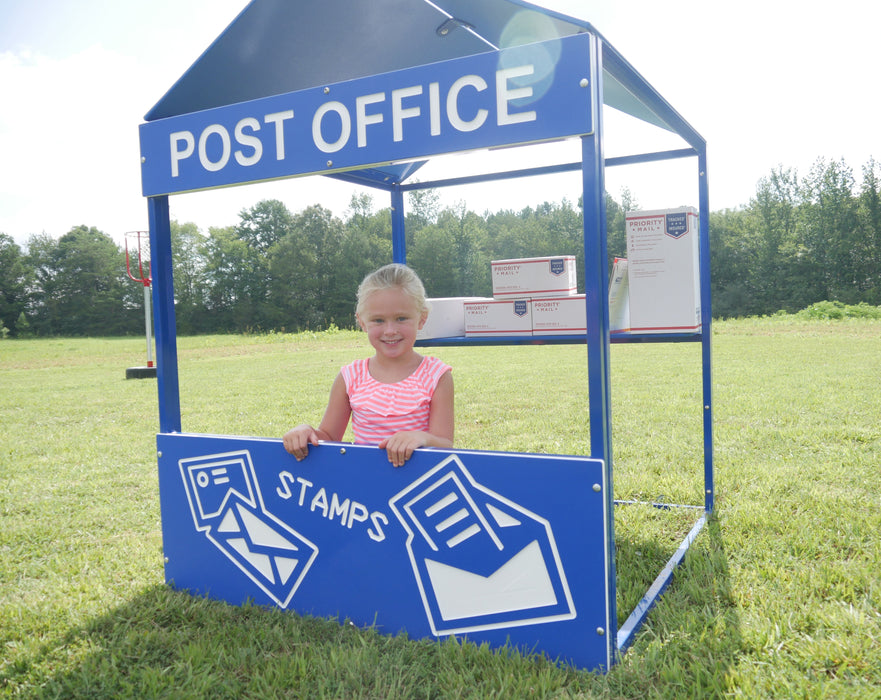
{"x": 800, "y": 240}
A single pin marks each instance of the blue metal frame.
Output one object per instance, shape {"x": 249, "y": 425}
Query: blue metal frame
{"x": 607, "y": 67}
{"x": 163, "y": 315}
{"x": 596, "y": 290}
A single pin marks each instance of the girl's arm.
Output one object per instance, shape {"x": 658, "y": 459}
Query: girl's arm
{"x": 441, "y": 423}
{"x": 337, "y": 413}
{"x": 332, "y": 427}
{"x": 441, "y": 417}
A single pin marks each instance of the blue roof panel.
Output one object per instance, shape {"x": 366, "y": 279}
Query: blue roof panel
{"x": 279, "y": 46}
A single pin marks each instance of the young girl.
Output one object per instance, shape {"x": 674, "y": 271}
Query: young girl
{"x": 397, "y": 399}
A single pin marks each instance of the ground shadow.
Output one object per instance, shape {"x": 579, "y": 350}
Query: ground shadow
{"x": 167, "y": 643}
{"x": 695, "y": 624}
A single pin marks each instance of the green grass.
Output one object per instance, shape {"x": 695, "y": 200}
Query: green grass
{"x": 779, "y": 597}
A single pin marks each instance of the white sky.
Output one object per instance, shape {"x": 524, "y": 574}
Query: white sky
{"x": 776, "y": 82}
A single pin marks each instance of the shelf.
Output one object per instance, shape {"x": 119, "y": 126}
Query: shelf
{"x": 558, "y": 339}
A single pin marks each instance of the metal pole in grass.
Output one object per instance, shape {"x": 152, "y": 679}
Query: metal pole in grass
{"x": 138, "y": 243}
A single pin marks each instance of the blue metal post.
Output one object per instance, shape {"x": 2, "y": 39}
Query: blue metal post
{"x": 399, "y": 236}
{"x": 706, "y": 335}
{"x": 163, "y": 315}
{"x": 596, "y": 276}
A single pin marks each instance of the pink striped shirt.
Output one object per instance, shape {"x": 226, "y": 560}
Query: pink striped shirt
{"x": 380, "y": 410}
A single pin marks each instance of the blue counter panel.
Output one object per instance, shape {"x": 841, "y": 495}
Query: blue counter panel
{"x": 503, "y": 548}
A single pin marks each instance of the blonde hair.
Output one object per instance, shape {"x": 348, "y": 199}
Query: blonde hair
{"x": 393, "y": 276}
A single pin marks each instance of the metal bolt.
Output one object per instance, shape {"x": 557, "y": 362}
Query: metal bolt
{"x": 584, "y": 82}
{"x": 342, "y": 450}
{"x": 600, "y": 631}
{"x": 329, "y": 163}
{"x": 597, "y": 487}
{"x": 326, "y": 90}
{"x": 143, "y": 159}
{"x": 159, "y": 454}
{"x": 166, "y": 560}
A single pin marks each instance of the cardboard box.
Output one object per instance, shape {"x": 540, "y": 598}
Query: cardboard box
{"x": 559, "y": 316}
{"x": 534, "y": 277}
{"x": 446, "y": 317}
{"x": 498, "y": 317}
{"x": 663, "y": 271}
{"x": 619, "y": 297}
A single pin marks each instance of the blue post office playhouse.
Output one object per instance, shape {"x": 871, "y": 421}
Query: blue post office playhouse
{"x": 503, "y": 548}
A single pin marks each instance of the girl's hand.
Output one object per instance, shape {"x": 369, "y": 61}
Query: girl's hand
{"x": 400, "y": 446}
{"x": 297, "y": 440}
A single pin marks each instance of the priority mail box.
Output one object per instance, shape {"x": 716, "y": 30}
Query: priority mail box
{"x": 446, "y": 317}
{"x": 559, "y": 316}
{"x": 534, "y": 277}
{"x": 619, "y": 297}
{"x": 663, "y": 271}
{"x": 498, "y": 317}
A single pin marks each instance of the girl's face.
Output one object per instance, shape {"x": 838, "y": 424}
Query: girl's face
{"x": 391, "y": 320}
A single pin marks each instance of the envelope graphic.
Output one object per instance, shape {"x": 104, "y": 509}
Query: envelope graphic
{"x": 520, "y": 584}
{"x": 226, "y": 505}
{"x": 480, "y": 560}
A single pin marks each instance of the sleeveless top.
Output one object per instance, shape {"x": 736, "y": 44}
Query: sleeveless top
{"x": 380, "y": 410}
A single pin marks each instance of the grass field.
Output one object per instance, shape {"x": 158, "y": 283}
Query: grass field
{"x": 779, "y": 597}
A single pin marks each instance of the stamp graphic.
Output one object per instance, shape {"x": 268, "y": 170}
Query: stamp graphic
{"x": 226, "y": 505}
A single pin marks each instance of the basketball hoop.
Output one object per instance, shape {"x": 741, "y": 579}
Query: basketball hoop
{"x": 137, "y": 267}
{"x": 137, "y": 243}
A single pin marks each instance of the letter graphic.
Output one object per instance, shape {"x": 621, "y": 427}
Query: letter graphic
{"x": 227, "y": 506}
{"x": 481, "y": 561}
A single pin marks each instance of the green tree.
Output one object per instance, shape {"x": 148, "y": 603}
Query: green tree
{"x": 432, "y": 248}
{"x": 423, "y": 209}
{"x": 868, "y": 249}
{"x": 260, "y": 228}
{"x": 469, "y": 266}
{"x": 319, "y": 230}
{"x": 730, "y": 260}
{"x": 15, "y": 275}
{"x": 294, "y": 288}
{"x": 303, "y": 271}
{"x": 190, "y": 283}
{"x": 829, "y": 227}
{"x": 227, "y": 285}
{"x": 616, "y": 224}
{"x": 772, "y": 238}
{"x": 264, "y": 224}
{"x": 510, "y": 234}
{"x": 41, "y": 259}
{"x": 81, "y": 287}
{"x": 365, "y": 246}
